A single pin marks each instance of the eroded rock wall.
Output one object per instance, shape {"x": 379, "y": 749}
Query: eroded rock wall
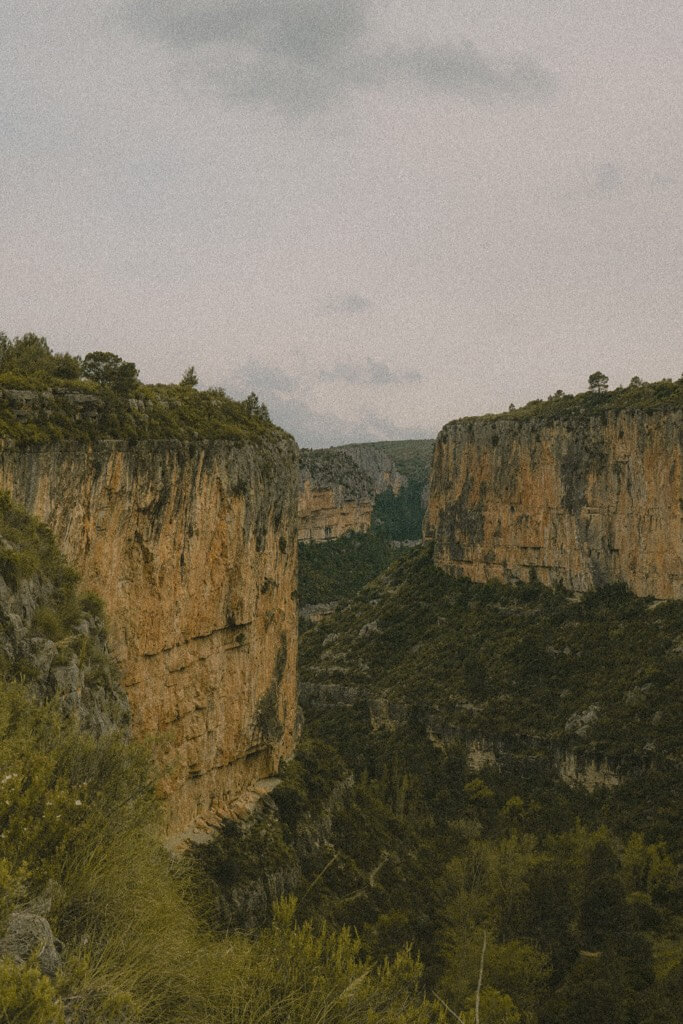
{"x": 377, "y": 465}
{"x": 193, "y": 549}
{"x": 335, "y": 496}
{"x": 581, "y": 501}
{"x": 326, "y": 513}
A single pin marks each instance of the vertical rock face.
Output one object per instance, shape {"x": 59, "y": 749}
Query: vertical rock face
{"x": 192, "y": 547}
{"x": 340, "y": 486}
{"x": 377, "y": 465}
{"x": 581, "y": 501}
{"x": 335, "y": 496}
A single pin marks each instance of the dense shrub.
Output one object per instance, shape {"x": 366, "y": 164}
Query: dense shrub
{"x": 80, "y": 814}
{"x": 101, "y": 397}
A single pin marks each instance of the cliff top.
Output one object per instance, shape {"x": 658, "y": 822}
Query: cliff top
{"x": 48, "y": 397}
{"x": 410, "y": 458}
{"x": 333, "y": 467}
{"x": 663, "y": 394}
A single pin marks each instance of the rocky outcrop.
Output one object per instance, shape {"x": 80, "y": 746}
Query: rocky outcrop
{"x": 377, "y": 465}
{"x": 192, "y": 547}
{"x": 340, "y": 487}
{"x": 77, "y": 672}
{"x": 580, "y": 501}
{"x": 335, "y": 496}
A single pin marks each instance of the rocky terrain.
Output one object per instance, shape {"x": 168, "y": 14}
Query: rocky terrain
{"x": 335, "y": 496}
{"x": 578, "y": 500}
{"x": 191, "y": 545}
{"x": 346, "y": 488}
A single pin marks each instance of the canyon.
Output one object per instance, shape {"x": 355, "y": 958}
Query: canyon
{"x": 340, "y": 486}
{"x": 335, "y": 496}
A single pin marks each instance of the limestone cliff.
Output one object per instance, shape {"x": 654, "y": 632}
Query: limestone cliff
{"x": 579, "y": 500}
{"x": 378, "y": 465}
{"x": 342, "y": 487}
{"x": 335, "y": 496}
{"x": 192, "y": 547}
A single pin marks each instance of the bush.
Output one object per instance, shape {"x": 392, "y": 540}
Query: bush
{"x": 27, "y": 996}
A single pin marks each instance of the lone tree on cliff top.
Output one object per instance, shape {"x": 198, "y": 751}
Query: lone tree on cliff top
{"x": 189, "y": 379}
{"x": 597, "y": 382}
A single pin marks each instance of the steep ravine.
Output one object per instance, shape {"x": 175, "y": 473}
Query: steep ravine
{"x": 580, "y": 500}
{"x": 192, "y": 547}
{"x": 349, "y": 488}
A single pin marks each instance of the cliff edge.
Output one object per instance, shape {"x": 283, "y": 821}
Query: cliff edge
{"x": 579, "y": 500}
{"x": 191, "y": 544}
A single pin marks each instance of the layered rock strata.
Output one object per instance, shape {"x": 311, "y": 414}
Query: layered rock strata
{"x": 192, "y": 547}
{"x": 581, "y": 501}
{"x": 335, "y": 496}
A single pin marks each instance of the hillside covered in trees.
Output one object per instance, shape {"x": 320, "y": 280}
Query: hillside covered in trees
{"x": 485, "y": 761}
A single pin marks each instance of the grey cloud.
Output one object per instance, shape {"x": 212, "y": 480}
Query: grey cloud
{"x": 303, "y": 55}
{"x": 461, "y": 70}
{"x": 317, "y": 430}
{"x": 260, "y": 378}
{"x": 607, "y": 177}
{"x": 349, "y": 304}
{"x": 371, "y": 373}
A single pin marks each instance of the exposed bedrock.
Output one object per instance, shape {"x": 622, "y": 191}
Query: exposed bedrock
{"x": 582, "y": 501}
{"x": 192, "y": 547}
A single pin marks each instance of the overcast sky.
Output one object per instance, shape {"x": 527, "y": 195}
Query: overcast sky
{"x": 377, "y": 213}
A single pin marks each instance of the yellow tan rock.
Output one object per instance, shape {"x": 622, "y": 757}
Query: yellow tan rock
{"x": 326, "y": 513}
{"x": 192, "y": 548}
{"x": 584, "y": 502}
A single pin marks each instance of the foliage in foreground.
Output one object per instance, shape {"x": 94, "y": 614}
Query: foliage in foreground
{"x": 78, "y": 816}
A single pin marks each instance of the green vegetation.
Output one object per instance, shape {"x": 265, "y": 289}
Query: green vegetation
{"x": 338, "y": 568}
{"x": 519, "y": 666}
{"x": 31, "y": 357}
{"x": 110, "y": 371}
{"x": 79, "y": 814}
{"x": 79, "y": 846}
{"x": 43, "y": 585}
{"x": 399, "y": 516}
{"x": 663, "y": 394}
{"x": 426, "y": 802}
{"x": 45, "y": 396}
{"x": 598, "y": 381}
